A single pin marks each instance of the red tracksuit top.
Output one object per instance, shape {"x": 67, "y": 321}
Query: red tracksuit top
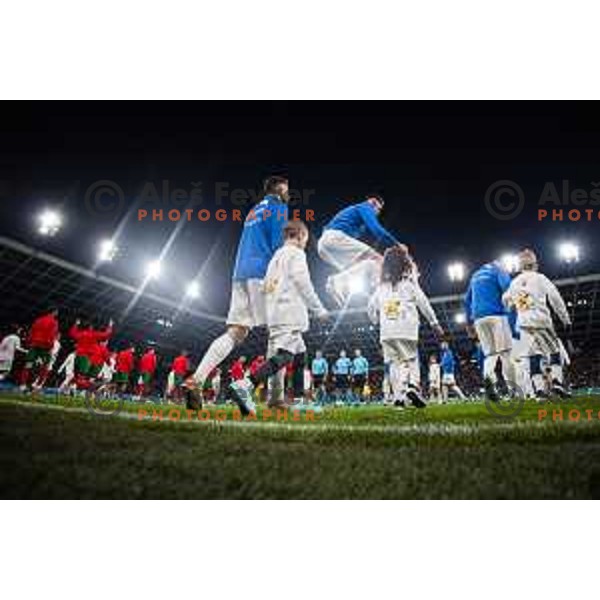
{"x": 44, "y": 332}
{"x": 125, "y": 361}
{"x": 87, "y": 339}
{"x": 148, "y": 363}
{"x": 181, "y": 365}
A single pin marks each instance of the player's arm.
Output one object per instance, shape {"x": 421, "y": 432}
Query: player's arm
{"x": 427, "y": 311}
{"x": 468, "y": 304}
{"x": 557, "y": 303}
{"x": 374, "y": 227}
{"x": 508, "y": 298}
{"x": 277, "y": 221}
{"x": 301, "y": 278}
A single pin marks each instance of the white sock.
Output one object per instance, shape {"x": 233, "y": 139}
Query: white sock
{"x": 557, "y": 373}
{"x": 508, "y": 367}
{"x": 458, "y": 392}
{"x": 489, "y": 367}
{"x": 538, "y": 382}
{"x": 414, "y": 373}
{"x": 219, "y": 350}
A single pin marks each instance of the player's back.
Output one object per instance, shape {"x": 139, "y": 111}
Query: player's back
{"x": 485, "y": 291}
{"x": 261, "y": 236}
{"x": 447, "y": 362}
{"x": 398, "y": 313}
{"x": 285, "y": 305}
{"x": 529, "y": 294}
{"x": 349, "y": 220}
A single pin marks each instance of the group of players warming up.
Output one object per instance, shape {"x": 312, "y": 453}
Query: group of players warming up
{"x": 509, "y": 318}
{"x": 272, "y": 286}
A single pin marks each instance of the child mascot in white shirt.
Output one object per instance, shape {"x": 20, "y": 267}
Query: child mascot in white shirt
{"x": 290, "y": 296}
{"x": 396, "y": 305}
{"x": 533, "y": 294}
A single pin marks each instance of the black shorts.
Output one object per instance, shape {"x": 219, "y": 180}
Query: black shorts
{"x": 341, "y": 382}
{"x": 358, "y": 381}
{"x": 318, "y": 380}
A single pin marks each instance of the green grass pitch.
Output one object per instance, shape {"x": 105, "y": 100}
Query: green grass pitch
{"x": 54, "y": 448}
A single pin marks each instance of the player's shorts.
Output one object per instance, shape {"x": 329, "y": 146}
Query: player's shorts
{"x": 121, "y": 378}
{"x": 318, "y": 380}
{"x": 341, "y": 382}
{"x": 542, "y": 340}
{"x": 94, "y": 371}
{"x": 358, "y": 381}
{"x": 448, "y": 379}
{"x": 435, "y": 383}
{"x": 82, "y": 365}
{"x": 146, "y": 378}
{"x": 248, "y": 305}
{"x": 341, "y": 250}
{"x": 283, "y": 338}
{"x": 6, "y": 366}
{"x": 494, "y": 334}
{"x": 399, "y": 350}
{"x": 37, "y": 356}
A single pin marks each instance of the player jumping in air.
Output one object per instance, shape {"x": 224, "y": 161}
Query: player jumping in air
{"x": 290, "y": 296}
{"x": 489, "y": 321}
{"x": 261, "y": 237}
{"x": 532, "y": 295}
{"x": 396, "y": 305}
{"x": 342, "y": 247}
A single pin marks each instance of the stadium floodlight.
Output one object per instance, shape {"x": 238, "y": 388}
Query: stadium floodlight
{"x": 49, "y": 222}
{"x": 460, "y": 318}
{"x": 456, "y": 271}
{"x": 569, "y": 252}
{"x": 107, "y": 251}
{"x": 192, "y": 290}
{"x": 510, "y": 262}
{"x": 153, "y": 269}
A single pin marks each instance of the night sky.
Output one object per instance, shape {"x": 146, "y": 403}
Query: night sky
{"x": 433, "y": 162}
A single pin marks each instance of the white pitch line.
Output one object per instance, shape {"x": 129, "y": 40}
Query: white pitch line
{"x": 425, "y": 429}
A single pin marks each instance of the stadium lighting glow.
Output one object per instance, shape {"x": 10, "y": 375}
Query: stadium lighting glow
{"x": 357, "y": 285}
{"x": 153, "y": 269}
{"x": 107, "y": 251}
{"x": 456, "y": 271}
{"x": 192, "y": 290}
{"x": 510, "y": 262}
{"x": 569, "y": 252}
{"x": 460, "y": 318}
{"x": 50, "y": 222}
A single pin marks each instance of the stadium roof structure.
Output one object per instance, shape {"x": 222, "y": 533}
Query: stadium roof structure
{"x": 31, "y": 280}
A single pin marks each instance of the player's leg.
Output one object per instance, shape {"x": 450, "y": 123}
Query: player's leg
{"x": 246, "y": 311}
{"x": 244, "y": 388}
{"x": 413, "y": 373}
{"x": 551, "y": 347}
{"x": 458, "y": 391}
{"x": 354, "y": 260}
